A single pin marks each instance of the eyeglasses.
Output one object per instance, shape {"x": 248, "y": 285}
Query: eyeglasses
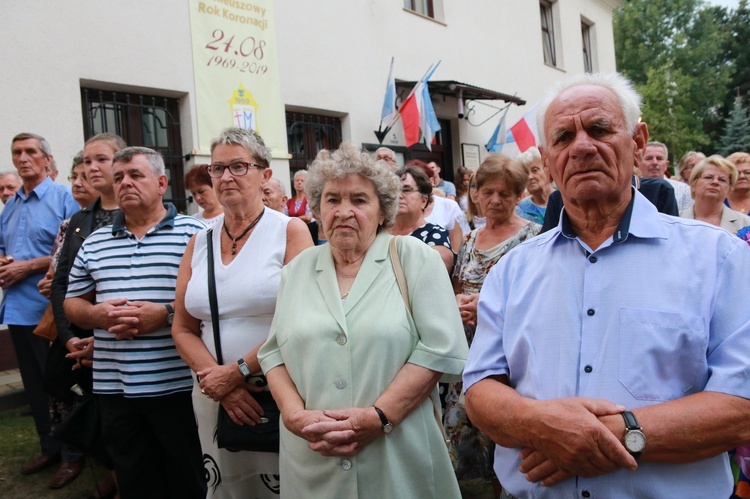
{"x": 236, "y": 169}
{"x": 407, "y": 189}
{"x": 718, "y": 178}
{"x": 743, "y": 173}
{"x": 73, "y": 177}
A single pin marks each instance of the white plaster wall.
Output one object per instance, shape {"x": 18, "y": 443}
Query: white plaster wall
{"x": 333, "y": 55}
{"x": 49, "y": 47}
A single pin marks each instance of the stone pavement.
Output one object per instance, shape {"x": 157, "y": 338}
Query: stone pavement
{"x": 12, "y": 395}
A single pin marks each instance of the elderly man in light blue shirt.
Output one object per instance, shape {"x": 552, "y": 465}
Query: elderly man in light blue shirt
{"x": 602, "y": 366}
{"x": 28, "y": 227}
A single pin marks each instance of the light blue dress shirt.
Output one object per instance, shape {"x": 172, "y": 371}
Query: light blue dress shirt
{"x": 28, "y": 227}
{"x": 659, "y": 311}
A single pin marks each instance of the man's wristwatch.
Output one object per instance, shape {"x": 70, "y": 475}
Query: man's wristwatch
{"x": 387, "y": 426}
{"x": 170, "y": 314}
{"x": 634, "y": 439}
{"x": 244, "y": 369}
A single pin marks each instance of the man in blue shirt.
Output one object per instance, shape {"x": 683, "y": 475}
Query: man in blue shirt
{"x": 28, "y": 227}
{"x": 612, "y": 353}
{"x": 444, "y": 185}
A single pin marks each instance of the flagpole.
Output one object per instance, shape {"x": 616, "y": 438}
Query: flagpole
{"x": 381, "y": 134}
{"x": 398, "y": 115}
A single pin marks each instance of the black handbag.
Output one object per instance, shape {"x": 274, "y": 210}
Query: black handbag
{"x": 263, "y": 437}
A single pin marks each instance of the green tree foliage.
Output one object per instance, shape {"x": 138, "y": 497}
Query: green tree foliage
{"x": 736, "y": 137}
{"x": 737, "y": 49}
{"x": 675, "y": 51}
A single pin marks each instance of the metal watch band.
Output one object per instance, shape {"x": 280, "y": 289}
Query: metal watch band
{"x": 170, "y": 313}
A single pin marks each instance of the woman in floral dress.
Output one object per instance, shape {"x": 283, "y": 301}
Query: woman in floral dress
{"x": 500, "y": 182}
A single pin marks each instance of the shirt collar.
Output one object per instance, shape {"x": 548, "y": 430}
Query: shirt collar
{"x": 168, "y": 221}
{"x": 640, "y": 219}
{"x": 39, "y": 190}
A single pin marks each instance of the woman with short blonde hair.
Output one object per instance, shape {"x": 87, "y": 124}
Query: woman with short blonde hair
{"x": 710, "y": 182}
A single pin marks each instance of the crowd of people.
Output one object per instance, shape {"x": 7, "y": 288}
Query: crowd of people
{"x": 571, "y": 322}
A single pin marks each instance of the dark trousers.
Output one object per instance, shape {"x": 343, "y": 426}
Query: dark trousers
{"x": 153, "y": 442}
{"x": 31, "y": 353}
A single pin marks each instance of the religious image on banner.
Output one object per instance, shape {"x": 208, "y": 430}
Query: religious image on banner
{"x": 236, "y": 71}
{"x": 244, "y": 109}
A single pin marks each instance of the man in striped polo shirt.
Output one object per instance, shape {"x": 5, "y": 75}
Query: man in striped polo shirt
{"x": 122, "y": 285}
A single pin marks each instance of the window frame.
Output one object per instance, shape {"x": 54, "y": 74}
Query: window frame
{"x": 547, "y": 24}
{"x": 588, "y": 55}
{"x": 428, "y": 7}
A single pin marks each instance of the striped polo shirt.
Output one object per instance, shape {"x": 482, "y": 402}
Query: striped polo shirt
{"x": 116, "y": 264}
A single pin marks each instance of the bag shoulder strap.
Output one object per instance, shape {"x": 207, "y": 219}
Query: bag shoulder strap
{"x": 402, "y": 286}
{"x": 212, "y": 299}
{"x": 399, "y": 271}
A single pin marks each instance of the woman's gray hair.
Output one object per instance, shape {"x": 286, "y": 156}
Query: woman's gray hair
{"x": 529, "y": 156}
{"x": 251, "y": 141}
{"x": 155, "y": 161}
{"x": 630, "y": 100}
{"x": 77, "y": 159}
{"x": 349, "y": 159}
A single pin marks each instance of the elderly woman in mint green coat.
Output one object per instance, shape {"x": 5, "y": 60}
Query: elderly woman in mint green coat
{"x": 353, "y": 369}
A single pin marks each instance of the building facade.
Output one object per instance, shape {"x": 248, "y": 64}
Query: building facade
{"x": 73, "y": 69}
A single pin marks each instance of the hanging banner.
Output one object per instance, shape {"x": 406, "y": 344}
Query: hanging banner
{"x": 236, "y": 71}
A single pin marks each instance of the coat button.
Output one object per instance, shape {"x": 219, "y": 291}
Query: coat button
{"x": 588, "y": 369}
{"x": 346, "y": 465}
{"x": 340, "y": 384}
{"x": 341, "y": 339}
{"x": 592, "y": 259}
{"x": 590, "y": 312}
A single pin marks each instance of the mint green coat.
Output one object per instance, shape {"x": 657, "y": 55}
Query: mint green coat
{"x": 343, "y": 356}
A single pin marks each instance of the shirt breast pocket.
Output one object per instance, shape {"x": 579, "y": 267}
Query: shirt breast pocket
{"x": 662, "y": 355}
{"x": 43, "y": 236}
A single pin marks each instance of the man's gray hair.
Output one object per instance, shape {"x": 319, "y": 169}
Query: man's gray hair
{"x": 43, "y": 144}
{"x": 349, "y": 159}
{"x": 386, "y": 150}
{"x": 278, "y": 184}
{"x": 251, "y": 141}
{"x": 630, "y": 100}
{"x": 154, "y": 158}
{"x": 4, "y": 174}
{"x": 662, "y": 145}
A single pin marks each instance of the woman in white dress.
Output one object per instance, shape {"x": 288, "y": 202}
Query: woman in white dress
{"x": 251, "y": 244}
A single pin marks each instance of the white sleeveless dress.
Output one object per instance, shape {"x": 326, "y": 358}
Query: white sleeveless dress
{"x": 246, "y": 290}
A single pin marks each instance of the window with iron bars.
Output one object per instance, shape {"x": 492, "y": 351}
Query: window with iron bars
{"x": 141, "y": 120}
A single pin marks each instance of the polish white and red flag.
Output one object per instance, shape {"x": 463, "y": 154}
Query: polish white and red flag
{"x": 519, "y": 137}
{"x": 418, "y": 115}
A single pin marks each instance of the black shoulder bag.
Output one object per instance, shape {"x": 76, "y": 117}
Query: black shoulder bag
{"x": 263, "y": 437}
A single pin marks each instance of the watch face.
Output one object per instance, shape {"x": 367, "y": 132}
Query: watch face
{"x": 635, "y": 441}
